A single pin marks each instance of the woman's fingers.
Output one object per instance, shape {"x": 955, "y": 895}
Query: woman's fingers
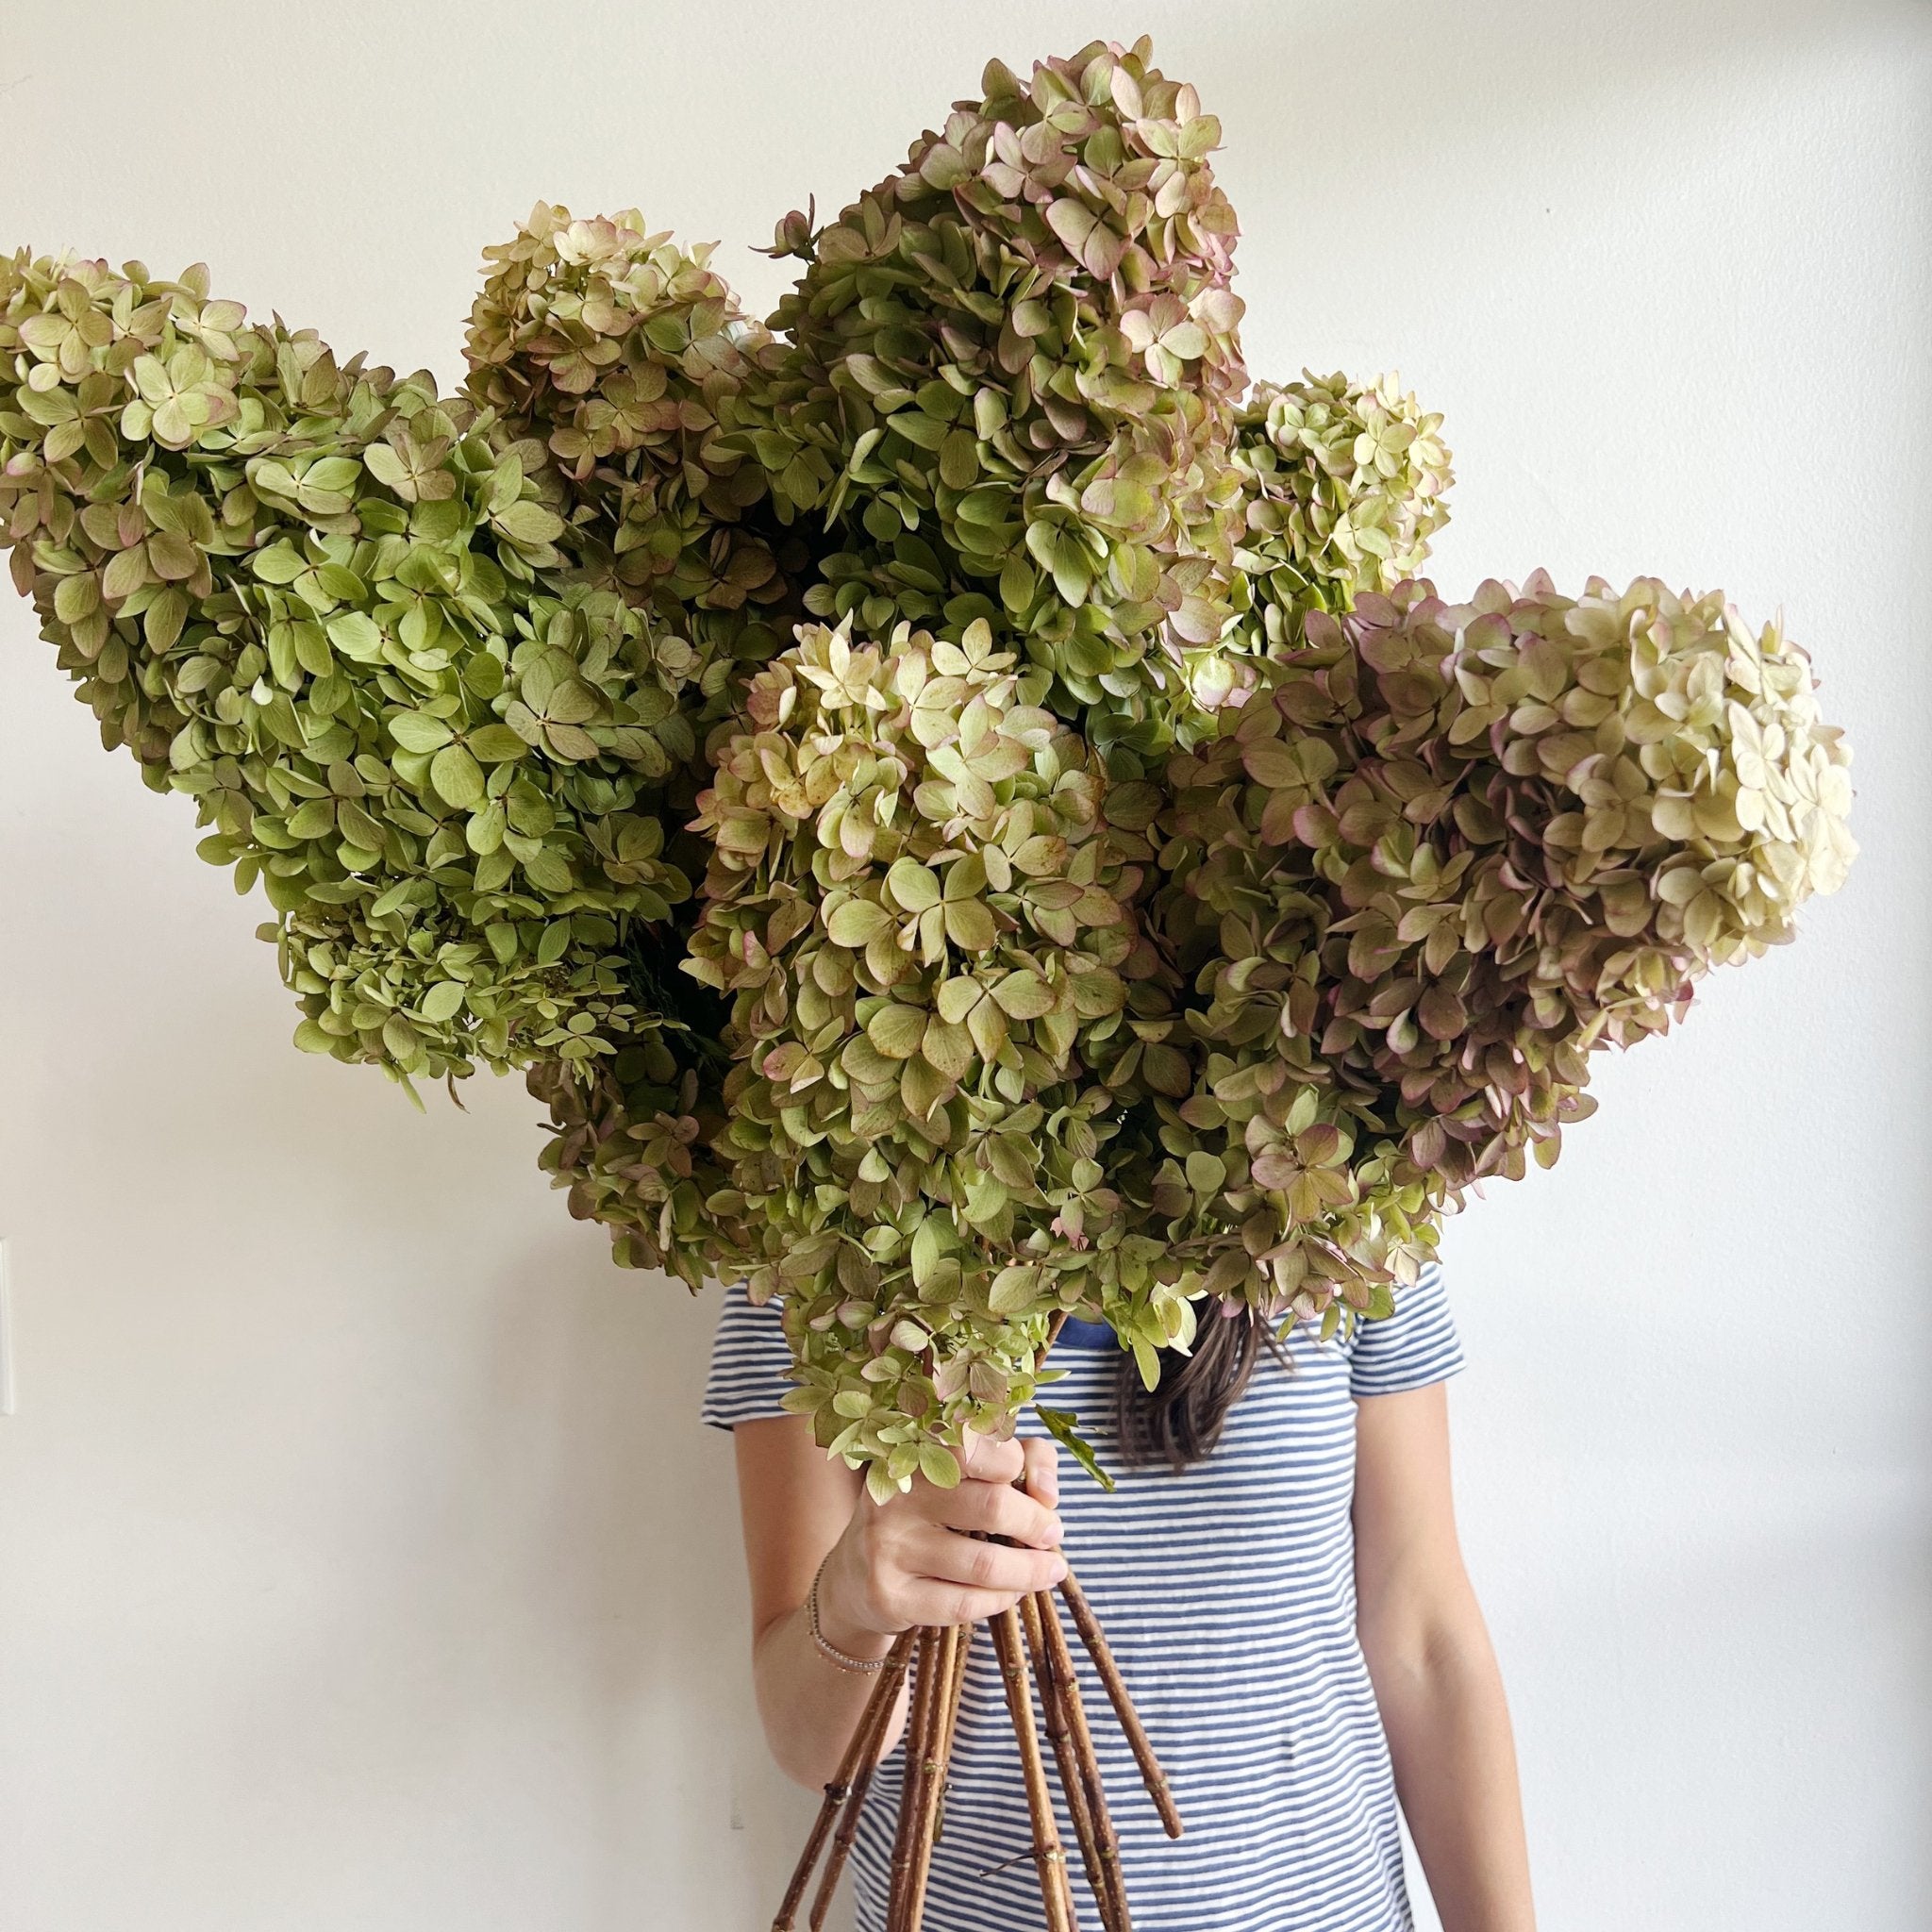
{"x": 934, "y": 1556}
{"x": 942, "y": 1555}
{"x": 997, "y": 1509}
{"x": 982, "y": 1459}
{"x": 1043, "y": 1455}
{"x": 953, "y": 1603}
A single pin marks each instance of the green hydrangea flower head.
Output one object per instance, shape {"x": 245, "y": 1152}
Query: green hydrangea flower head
{"x": 1009, "y": 378}
{"x": 1450, "y": 850}
{"x": 620, "y": 352}
{"x": 922, "y": 919}
{"x": 1342, "y": 485}
{"x": 332, "y": 607}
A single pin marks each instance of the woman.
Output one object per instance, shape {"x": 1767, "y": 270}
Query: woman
{"x": 1279, "y": 1577}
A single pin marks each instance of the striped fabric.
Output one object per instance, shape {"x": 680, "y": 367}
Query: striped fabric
{"x": 1228, "y": 1594}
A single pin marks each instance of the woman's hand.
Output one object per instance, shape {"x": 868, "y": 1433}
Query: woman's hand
{"x": 918, "y": 1557}
{"x": 912, "y": 1559}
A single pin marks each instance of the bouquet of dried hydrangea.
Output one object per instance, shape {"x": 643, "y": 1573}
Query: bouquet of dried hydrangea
{"x": 964, "y": 809}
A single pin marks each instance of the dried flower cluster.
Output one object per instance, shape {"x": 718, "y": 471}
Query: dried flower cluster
{"x": 1008, "y": 380}
{"x": 334, "y": 610}
{"x": 621, "y": 353}
{"x": 920, "y": 913}
{"x": 1444, "y": 854}
{"x": 961, "y": 808}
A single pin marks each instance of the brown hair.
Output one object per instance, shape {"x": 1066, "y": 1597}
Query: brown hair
{"x": 1180, "y": 1420}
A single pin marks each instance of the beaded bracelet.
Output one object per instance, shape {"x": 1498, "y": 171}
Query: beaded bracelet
{"x": 867, "y": 1664}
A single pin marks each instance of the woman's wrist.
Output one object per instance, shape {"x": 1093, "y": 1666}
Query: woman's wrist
{"x": 833, "y": 1619}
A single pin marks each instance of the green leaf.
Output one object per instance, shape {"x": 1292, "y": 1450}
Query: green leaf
{"x": 457, "y": 777}
{"x": 315, "y": 818}
{"x": 386, "y": 466}
{"x": 280, "y": 563}
{"x": 312, "y": 648}
{"x": 164, "y": 619}
{"x": 356, "y": 635}
{"x": 496, "y": 744}
{"x": 913, "y": 885}
{"x": 926, "y": 1249}
{"x": 1013, "y": 1290}
{"x": 1060, "y": 1426}
{"x": 442, "y": 1001}
{"x": 1072, "y": 574}
{"x": 572, "y": 702}
{"x": 47, "y": 407}
{"x": 327, "y": 487}
{"x": 896, "y": 1030}
{"x": 970, "y": 925}
{"x": 1018, "y": 586}
{"x": 858, "y": 923}
{"x": 484, "y": 835}
{"x": 948, "y": 1047}
{"x": 1024, "y": 996}
{"x": 77, "y": 597}
{"x": 1271, "y": 763}
{"x": 1073, "y": 223}
{"x": 939, "y": 1465}
{"x": 311, "y": 1039}
{"x": 529, "y": 524}
{"x": 1207, "y": 1173}
{"x": 921, "y": 1087}
{"x": 956, "y": 997}
{"x": 958, "y": 460}
{"x": 418, "y": 731}
{"x": 548, "y": 870}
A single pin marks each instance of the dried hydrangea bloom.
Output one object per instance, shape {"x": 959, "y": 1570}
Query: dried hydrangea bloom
{"x": 1453, "y": 848}
{"x": 1009, "y": 378}
{"x": 631, "y": 1142}
{"x": 1342, "y": 485}
{"x": 334, "y": 611}
{"x": 921, "y": 920}
{"x": 618, "y": 350}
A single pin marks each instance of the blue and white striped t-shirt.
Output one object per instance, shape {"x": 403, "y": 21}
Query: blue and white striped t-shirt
{"x": 1227, "y": 1592}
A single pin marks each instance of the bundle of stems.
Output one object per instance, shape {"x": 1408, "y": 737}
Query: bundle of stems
{"x": 1031, "y": 1646}
{"x": 1027, "y": 1637}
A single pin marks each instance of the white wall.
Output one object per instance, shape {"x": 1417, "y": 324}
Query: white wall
{"x": 361, "y": 1561}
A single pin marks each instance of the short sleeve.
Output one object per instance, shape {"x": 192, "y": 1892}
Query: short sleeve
{"x": 1412, "y": 1348}
{"x": 751, "y": 1363}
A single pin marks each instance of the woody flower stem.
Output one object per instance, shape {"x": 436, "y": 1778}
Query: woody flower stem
{"x": 922, "y": 1730}
{"x": 1088, "y": 1625}
{"x": 878, "y": 1714}
{"x": 1049, "y": 1859}
{"x": 932, "y": 1788}
{"x": 861, "y": 1754}
{"x": 1074, "y": 1754}
{"x": 1104, "y": 1866}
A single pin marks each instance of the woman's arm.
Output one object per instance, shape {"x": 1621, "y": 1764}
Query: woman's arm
{"x": 1435, "y": 1675}
{"x": 887, "y": 1566}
